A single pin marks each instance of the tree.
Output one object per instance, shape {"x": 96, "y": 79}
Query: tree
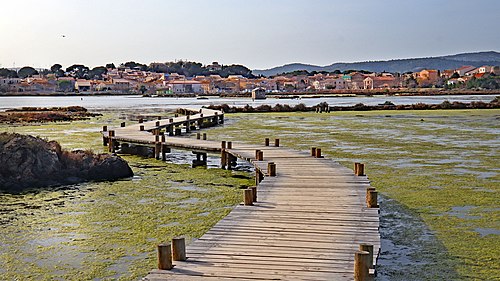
{"x": 26, "y": 71}
{"x": 78, "y": 71}
{"x": 65, "y": 86}
{"x": 7, "y": 73}
{"x": 110, "y": 66}
{"x": 97, "y": 72}
{"x": 455, "y": 75}
{"x": 143, "y": 89}
{"x": 55, "y": 68}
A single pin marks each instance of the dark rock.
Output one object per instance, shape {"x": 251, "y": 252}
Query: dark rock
{"x": 28, "y": 162}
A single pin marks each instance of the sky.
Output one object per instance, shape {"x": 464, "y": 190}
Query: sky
{"x": 259, "y": 34}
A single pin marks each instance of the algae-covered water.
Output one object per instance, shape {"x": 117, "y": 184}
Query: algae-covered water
{"x": 108, "y": 230}
{"x": 437, "y": 172}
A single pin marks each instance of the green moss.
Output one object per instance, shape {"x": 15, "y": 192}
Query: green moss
{"x": 108, "y": 230}
{"x": 428, "y": 161}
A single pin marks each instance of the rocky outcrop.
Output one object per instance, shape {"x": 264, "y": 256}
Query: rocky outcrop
{"x": 28, "y": 161}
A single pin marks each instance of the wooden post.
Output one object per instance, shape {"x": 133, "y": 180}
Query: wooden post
{"x": 157, "y": 138}
{"x": 164, "y": 257}
{"x": 164, "y": 151}
{"x": 257, "y": 155}
{"x": 178, "y": 249}
{"x": 372, "y": 199}
{"x": 361, "y": 169}
{"x": 261, "y": 156}
{"x": 171, "y": 120}
{"x": 163, "y": 138}
{"x": 104, "y": 128}
{"x": 277, "y": 142}
{"x": 111, "y": 142}
{"x": 368, "y": 193}
{"x": 248, "y": 197}
{"x": 159, "y": 117}
{"x": 157, "y": 124}
{"x": 198, "y": 136}
{"x": 271, "y": 169}
{"x": 204, "y": 136}
{"x": 258, "y": 177}
{"x": 361, "y": 267}
{"x": 229, "y": 145}
{"x": 318, "y": 153}
{"x": 313, "y": 151}
{"x": 266, "y": 141}
{"x": 367, "y": 248}
{"x": 356, "y": 164}
{"x": 157, "y": 150}
{"x": 122, "y": 124}
{"x": 223, "y": 144}
{"x": 254, "y": 193}
{"x": 141, "y": 120}
{"x": 141, "y": 128}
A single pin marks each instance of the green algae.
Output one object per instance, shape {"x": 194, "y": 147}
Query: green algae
{"x": 427, "y": 161}
{"x": 108, "y": 230}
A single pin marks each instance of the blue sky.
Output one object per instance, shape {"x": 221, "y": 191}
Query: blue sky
{"x": 256, "y": 33}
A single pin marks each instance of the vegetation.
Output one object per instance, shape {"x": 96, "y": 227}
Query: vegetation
{"x": 27, "y": 71}
{"x": 490, "y": 83}
{"x": 42, "y": 115}
{"x": 436, "y": 170}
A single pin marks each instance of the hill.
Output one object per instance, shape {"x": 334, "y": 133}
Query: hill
{"x": 398, "y": 65}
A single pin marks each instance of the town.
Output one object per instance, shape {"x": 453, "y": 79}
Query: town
{"x": 185, "y": 78}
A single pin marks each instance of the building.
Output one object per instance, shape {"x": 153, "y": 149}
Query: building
{"x": 185, "y": 86}
{"x": 259, "y": 94}
{"x": 82, "y": 85}
{"x": 464, "y": 69}
{"x": 370, "y": 83}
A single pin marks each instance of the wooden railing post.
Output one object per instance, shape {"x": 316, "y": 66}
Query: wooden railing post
{"x": 271, "y": 169}
{"x": 318, "y": 153}
{"x": 229, "y": 145}
{"x": 277, "y": 142}
{"x": 367, "y": 248}
{"x": 248, "y": 197}
{"x": 157, "y": 124}
{"x": 198, "y": 136}
{"x": 104, "y": 128}
{"x": 266, "y": 141}
{"x": 361, "y": 267}
{"x": 258, "y": 176}
{"x": 313, "y": 151}
{"x": 164, "y": 257}
{"x": 254, "y": 193}
{"x": 359, "y": 169}
{"x": 372, "y": 199}
{"x": 122, "y": 124}
{"x": 141, "y": 120}
{"x": 204, "y": 136}
{"x": 141, "y": 128}
{"x": 111, "y": 142}
{"x": 178, "y": 249}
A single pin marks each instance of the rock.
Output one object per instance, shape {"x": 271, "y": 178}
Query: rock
{"x": 29, "y": 161}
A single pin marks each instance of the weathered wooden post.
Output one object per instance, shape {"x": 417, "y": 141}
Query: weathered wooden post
{"x": 223, "y": 156}
{"x": 359, "y": 169}
{"x": 361, "y": 267}
{"x": 141, "y": 120}
{"x": 122, "y": 124}
{"x": 254, "y": 193}
{"x": 111, "y": 141}
{"x": 277, "y": 142}
{"x": 164, "y": 257}
{"x": 141, "y": 128}
{"x": 367, "y": 248}
{"x": 204, "y": 136}
{"x": 372, "y": 199}
{"x": 176, "y": 115}
{"x": 318, "y": 153}
{"x": 271, "y": 169}
{"x": 257, "y": 155}
{"x": 178, "y": 131}
{"x": 313, "y": 151}
{"x": 157, "y": 150}
{"x": 259, "y": 176}
{"x": 164, "y": 151}
{"x": 159, "y": 117}
{"x": 368, "y": 189}
{"x": 157, "y": 138}
{"x": 163, "y": 138}
{"x": 171, "y": 120}
{"x": 198, "y": 136}
{"x": 266, "y": 141}
{"x": 229, "y": 145}
{"x": 104, "y": 138}
{"x": 248, "y": 197}
{"x": 157, "y": 124}
{"x": 178, "y": 249}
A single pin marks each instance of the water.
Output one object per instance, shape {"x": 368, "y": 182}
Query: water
{"x": 127, "y": 102}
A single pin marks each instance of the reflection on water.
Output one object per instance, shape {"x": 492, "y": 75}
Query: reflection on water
{"x": 128, "y": 102}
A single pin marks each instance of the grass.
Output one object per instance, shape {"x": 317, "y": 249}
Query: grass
{"x": 108, "y": 230}
{"x": 427, "y": 162}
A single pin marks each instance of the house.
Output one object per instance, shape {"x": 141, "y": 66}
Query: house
{"x": 259, "y": 94}
{"x": 121, "y": 84}
{"x": 82, "y": 85}
{"x": 185, "y": 86}
{"x": 378, "y": 82}
{"x": 430, "y": 75}
{"x": 464, "y": 69}
{"x": 485, "y": 69}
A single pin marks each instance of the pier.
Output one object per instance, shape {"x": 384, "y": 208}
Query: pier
{"x": 306, "y": 218}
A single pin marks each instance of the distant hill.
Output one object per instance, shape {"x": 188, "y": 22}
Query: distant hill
{"x": 398, "y": 65}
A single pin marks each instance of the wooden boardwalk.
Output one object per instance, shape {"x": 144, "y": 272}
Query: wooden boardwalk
{"x": 307, "y": 223}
